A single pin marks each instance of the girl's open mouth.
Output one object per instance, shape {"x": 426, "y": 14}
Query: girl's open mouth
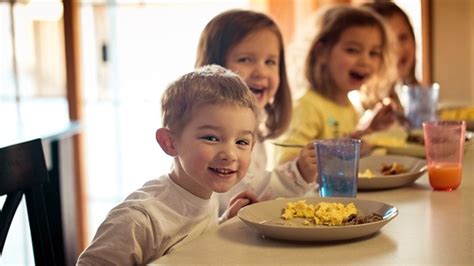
{"x": 357, "y": 76}
{"x": 257, "y": 91}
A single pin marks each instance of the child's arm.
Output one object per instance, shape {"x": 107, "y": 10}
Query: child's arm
{"x": 286, "y": 180}
{"x": 124, "y": 238}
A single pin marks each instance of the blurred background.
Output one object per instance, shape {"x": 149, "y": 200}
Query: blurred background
{"x": 105, "y": 63}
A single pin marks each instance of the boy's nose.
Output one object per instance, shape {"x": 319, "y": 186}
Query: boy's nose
{"x": 227, "y": 155}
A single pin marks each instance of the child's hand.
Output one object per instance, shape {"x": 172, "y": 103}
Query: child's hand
{"x": 306, "y": 163}
{"x": 365, "y": 148}
{"x": 240, "y": 200}
{"x": 385, "y": 115}
{"x": 381, "y": 117}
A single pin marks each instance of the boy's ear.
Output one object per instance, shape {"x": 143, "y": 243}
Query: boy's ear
{"x": 165, "y": 139}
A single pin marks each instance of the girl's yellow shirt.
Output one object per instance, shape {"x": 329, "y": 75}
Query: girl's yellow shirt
{"x": 315, "y": 117}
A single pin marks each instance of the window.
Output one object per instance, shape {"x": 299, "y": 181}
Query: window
{"x": 130, "y": 51}
{"x": 32, "y": 81}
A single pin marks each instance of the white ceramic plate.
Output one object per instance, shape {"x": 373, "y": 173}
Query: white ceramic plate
{"x": 415, "y": 167}
{"x": 264, "y": 217}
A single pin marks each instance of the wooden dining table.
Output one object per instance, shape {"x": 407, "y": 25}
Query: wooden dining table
{"x": 432, "y": 227}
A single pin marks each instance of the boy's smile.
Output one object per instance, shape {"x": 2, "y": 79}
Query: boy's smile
{"x": 213, "y": 150}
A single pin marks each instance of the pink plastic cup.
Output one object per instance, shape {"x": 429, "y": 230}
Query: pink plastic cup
{"x": 444, "y": 147}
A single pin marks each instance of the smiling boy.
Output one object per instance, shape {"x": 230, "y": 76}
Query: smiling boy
{"x": 209, "y": 128}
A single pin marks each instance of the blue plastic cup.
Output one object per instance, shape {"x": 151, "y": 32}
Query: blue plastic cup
{"x": 338, "y": 167}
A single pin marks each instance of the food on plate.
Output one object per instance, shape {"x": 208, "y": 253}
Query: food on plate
{"x": 387, "y": 169}
{"x": 392, "y": 137}
{"x": 367, "y": 173}
{"x": 323, "y": 213}
{"x": 392, "y": 169}
{"x": 457, "y": 113}
{"x": 416, "y": 138}
{"x": 374, "y": 217}
{"x": 326, "y": 213}
{"x": 465, "y": 113}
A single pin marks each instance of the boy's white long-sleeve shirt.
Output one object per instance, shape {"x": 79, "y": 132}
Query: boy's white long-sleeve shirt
{"x": 283, "y": 181}
{"x": 151, "y": 221}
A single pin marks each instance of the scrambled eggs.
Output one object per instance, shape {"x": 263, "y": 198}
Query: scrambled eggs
{"x": 323, "y": 213}
{"x": 367, "y": 173}
{"x": 457, "y": 113}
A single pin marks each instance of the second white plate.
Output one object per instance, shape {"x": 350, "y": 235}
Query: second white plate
{"x": 415, "y": 168}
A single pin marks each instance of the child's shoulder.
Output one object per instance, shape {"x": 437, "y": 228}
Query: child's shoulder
{"x": 152, "y": 190}
{"x": 311, "y": 94}
{"x": 152, "y": 196}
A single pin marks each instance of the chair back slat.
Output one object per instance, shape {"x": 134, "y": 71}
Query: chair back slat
{"x": 23, "y": 171}
{"x": 6, "y": 215}
{"x": 22, "y": 166}
{"x": 39, "y": 226}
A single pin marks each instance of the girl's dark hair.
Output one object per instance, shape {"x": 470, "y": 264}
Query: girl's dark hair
{"x": 388, "y": 9}
{"x": 225, "y": 31}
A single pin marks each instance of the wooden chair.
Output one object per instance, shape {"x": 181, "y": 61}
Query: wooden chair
{"x": 23, "y": 171}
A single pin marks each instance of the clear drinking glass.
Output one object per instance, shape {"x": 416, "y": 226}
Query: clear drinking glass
{"x": 338, "y": 166}
{"x": 419, "y": 103}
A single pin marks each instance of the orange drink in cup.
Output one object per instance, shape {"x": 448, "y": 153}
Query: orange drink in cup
{"x": 444, "y": 147}
{"x": 445, "y": 176}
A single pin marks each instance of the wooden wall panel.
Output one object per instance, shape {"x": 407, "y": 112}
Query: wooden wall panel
{"x": 74, "y": 97}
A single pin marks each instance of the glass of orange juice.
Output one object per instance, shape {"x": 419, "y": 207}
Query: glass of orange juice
{"x": 444, "y": 147}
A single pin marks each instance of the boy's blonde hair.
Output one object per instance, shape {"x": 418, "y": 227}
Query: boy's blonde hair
{"x": 210, "y": 84}
{"x": 225, "y": 31}
{"x": 330, "y": 22}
